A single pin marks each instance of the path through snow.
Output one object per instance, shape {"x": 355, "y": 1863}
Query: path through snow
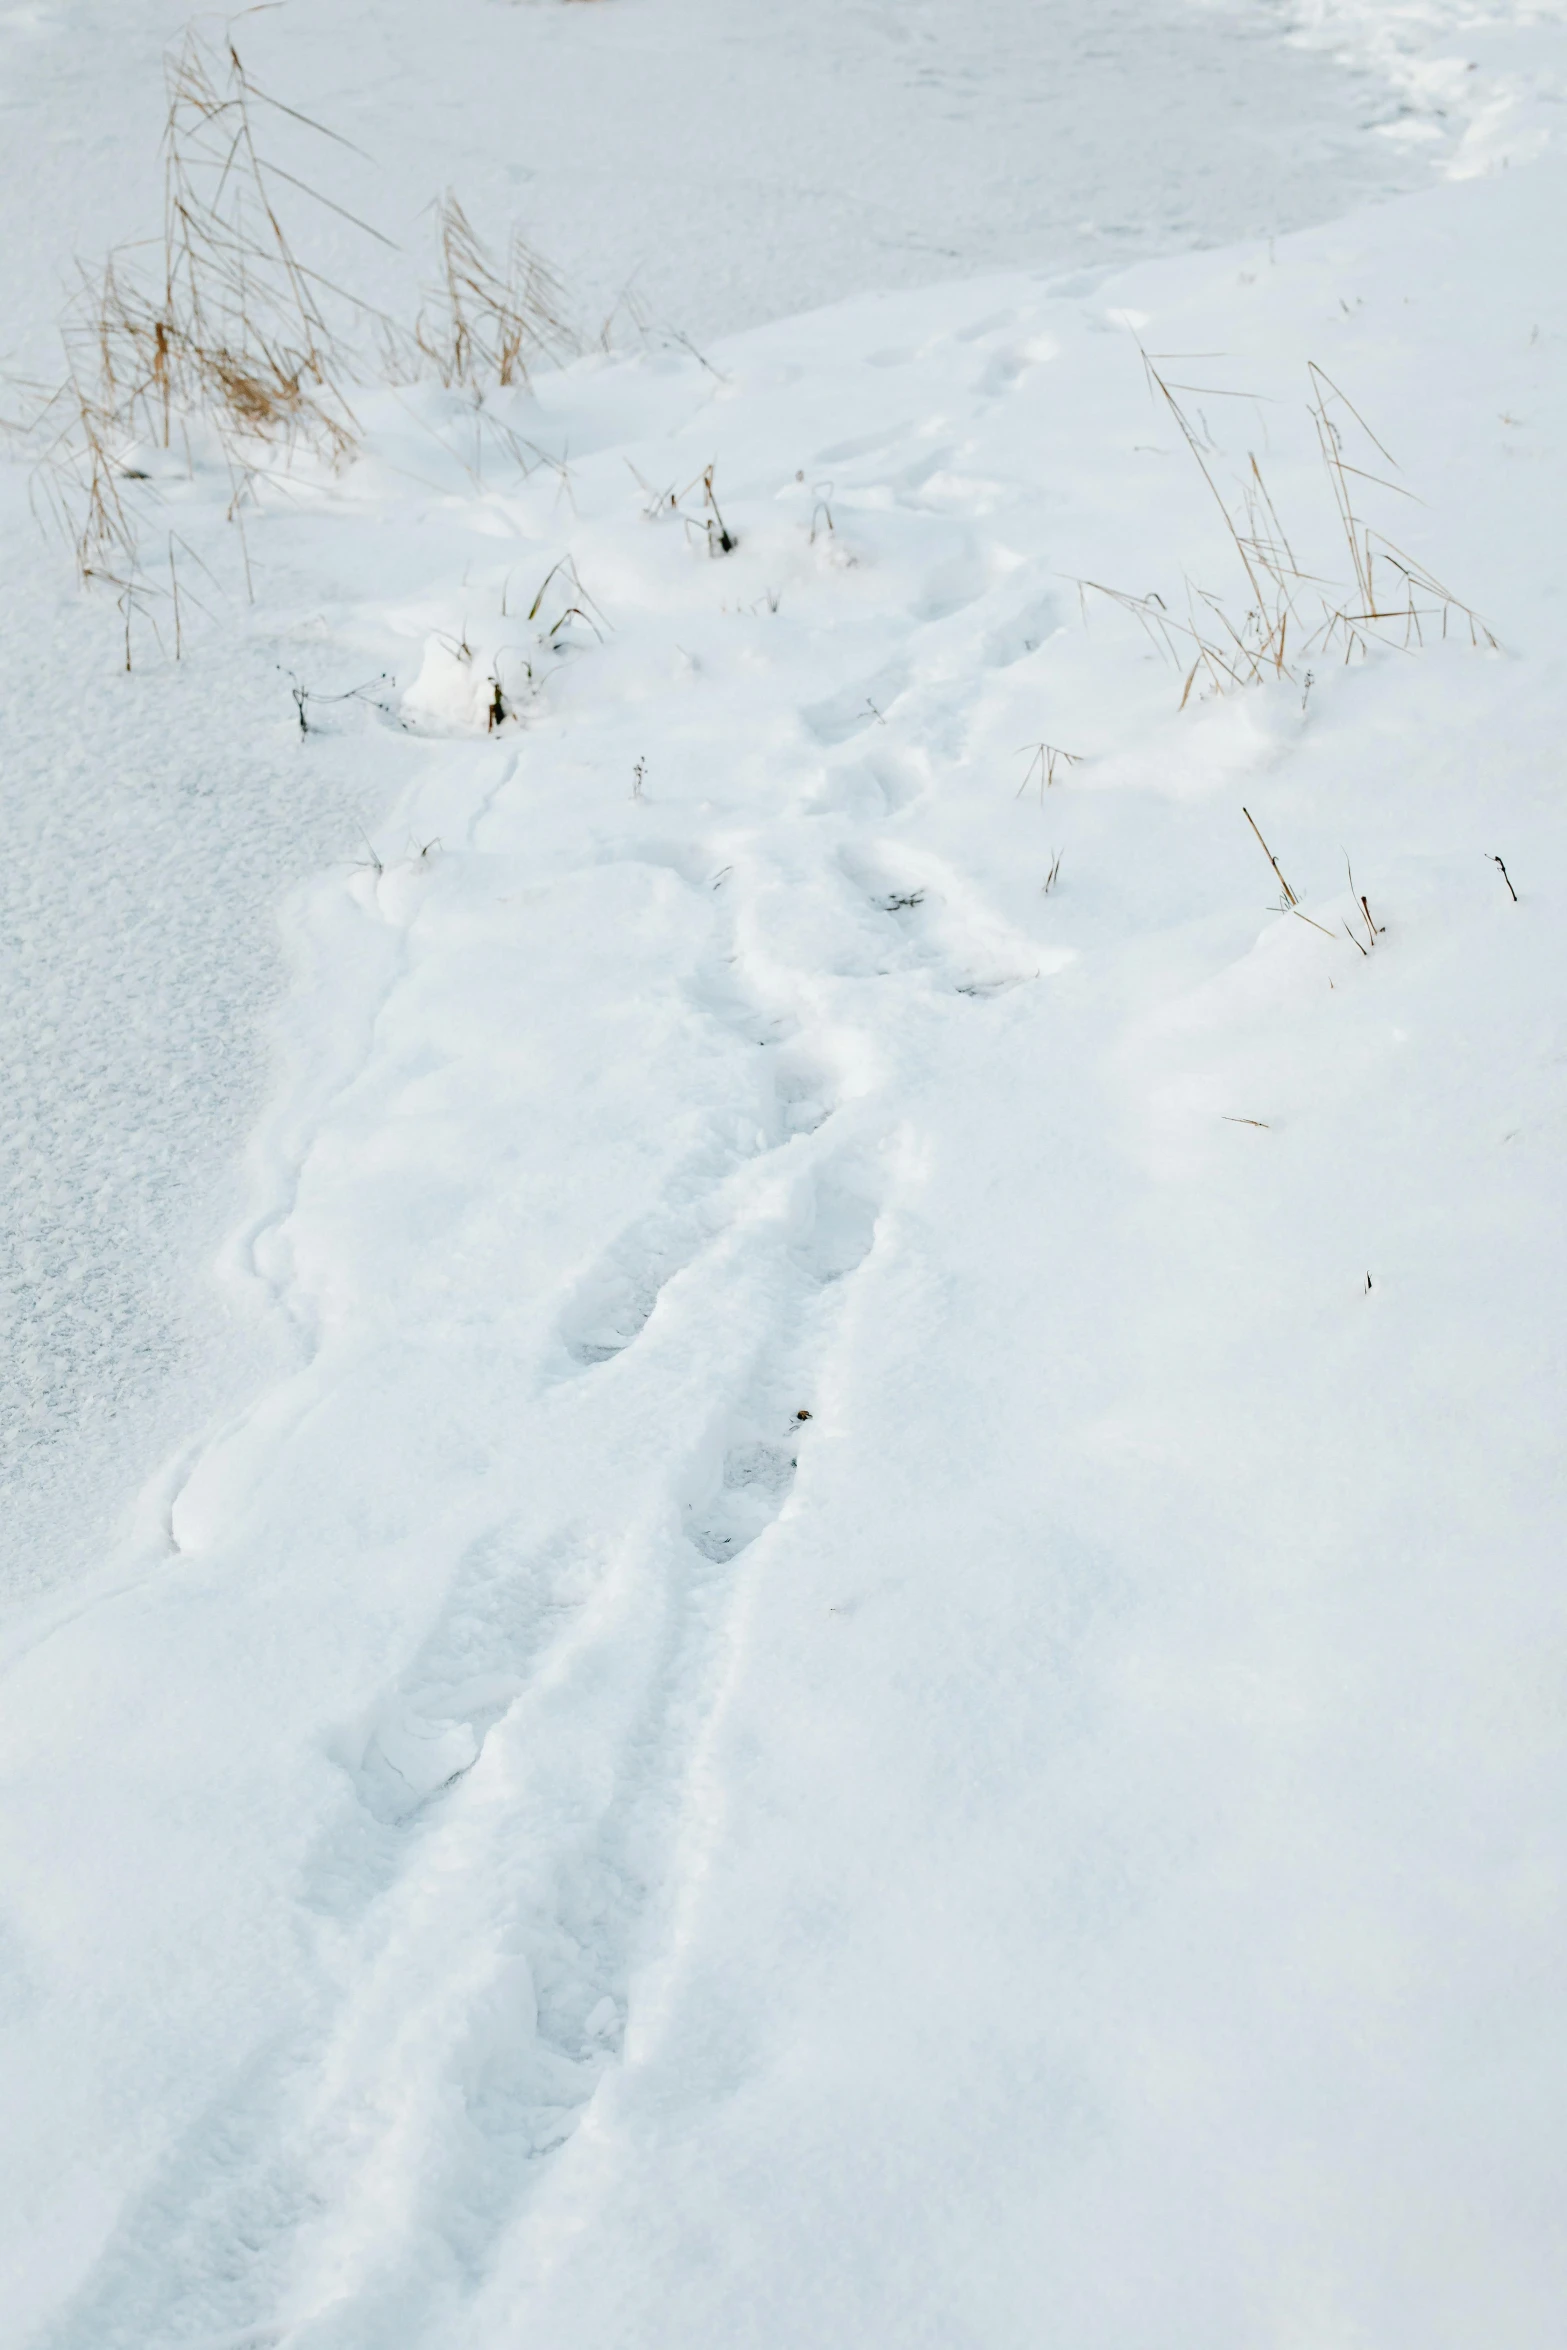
{"x": 1074, "y": 1823}
{"x": 736, "y": 165}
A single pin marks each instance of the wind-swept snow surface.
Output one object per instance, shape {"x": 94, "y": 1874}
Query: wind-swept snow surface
{"x": 890, "y": 1669}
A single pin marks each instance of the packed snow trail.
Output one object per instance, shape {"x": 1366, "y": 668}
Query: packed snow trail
{"x": 891, "y": 1670}
{"x": 728, "y": 165}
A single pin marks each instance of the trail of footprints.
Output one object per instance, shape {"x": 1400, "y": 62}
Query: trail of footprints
{"x": 573, "y": 1850}
{"x": 487, "y": 1853}
{"x": 526, "y": 1633}
{"x": 610, "y": 1305}
{"x": 761, "y": 1456}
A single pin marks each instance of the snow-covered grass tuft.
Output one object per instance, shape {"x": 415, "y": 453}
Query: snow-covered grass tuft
{"x": 1293, "y": 615}
{"x": 486, "y": 324}
{"x": 232, "y": 348}
{"x": 227, "y": 337}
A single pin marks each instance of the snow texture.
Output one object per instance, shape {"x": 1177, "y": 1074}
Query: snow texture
{"x": 863, "y": 1641}
{"x": 695, "y": 167}
{"x": 715, "y": 168}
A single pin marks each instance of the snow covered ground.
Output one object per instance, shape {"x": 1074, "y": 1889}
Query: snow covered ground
{"x": 727, "y": 166}
{"x": 734, "y": 162}
{"x": 870, "y": 1647}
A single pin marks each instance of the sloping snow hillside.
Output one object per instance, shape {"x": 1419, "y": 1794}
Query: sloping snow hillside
{"x": 887, "y": 1665}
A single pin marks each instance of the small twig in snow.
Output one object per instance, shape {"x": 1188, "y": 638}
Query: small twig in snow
{"x": 1044, "y": 759}
{"x": 1289, "y": 895}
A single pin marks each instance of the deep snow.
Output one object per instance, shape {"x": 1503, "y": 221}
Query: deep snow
{"x": 727, "y": 165}
{"x": 534, "y": 1839}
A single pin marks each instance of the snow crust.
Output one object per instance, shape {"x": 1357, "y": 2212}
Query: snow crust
{"x": 885, "y": 1660}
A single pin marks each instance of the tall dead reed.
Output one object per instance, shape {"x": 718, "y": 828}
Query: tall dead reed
{"x": 488, "y": 323}
{"x": 1289, "y": 615}
{"x": 227, "y": 329}
{"x": 223, "y": 337}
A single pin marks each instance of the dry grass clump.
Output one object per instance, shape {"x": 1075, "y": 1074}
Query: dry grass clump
{"x": 241, "y": 333}
{"x": 1292, "y": 615}
{"x": 705, "y": 527}
{"x": 228, "y": 329}
{"x": 486, "y": 324}
{"x": 221, "y": 332}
